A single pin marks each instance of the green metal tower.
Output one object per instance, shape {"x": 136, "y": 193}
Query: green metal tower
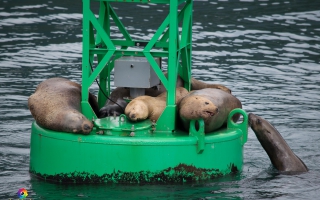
{"x": 167, "y": 42}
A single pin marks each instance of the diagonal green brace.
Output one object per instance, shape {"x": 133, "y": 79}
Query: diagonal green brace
{"x": 100, "y": 66}
{"x": 101, "y": 31}
{"x": 156, "y": 68}
{"x": 157, "y": 34}
{"x": 117, "y": 21}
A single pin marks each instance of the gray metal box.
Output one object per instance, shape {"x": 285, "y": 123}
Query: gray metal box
{"x": 135, "y": 72}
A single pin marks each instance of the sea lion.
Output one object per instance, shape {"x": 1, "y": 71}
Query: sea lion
{"x": 55, "y": 105}
{"x": 195, "y": 85}
{"x": 144, "y": 107}
{"x": 198, "y": 85}
{"x": 115, "y": 104}
{"x": 119, "y": 93}
{"x": 211, "y": 105}
{"x": 279, "y": 152}
{"x": 113, "y": 108}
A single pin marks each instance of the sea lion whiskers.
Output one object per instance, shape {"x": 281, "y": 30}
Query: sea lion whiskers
{"x": 210, "y": 113}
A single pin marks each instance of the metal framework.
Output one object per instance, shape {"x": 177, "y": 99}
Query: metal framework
{"x": 172, "y": 40}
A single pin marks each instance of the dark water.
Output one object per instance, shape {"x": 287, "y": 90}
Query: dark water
{"x": 267, "y": 52}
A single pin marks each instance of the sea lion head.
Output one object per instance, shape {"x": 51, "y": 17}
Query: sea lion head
{"x": 137, "y": 110}
{"x": 263, "y": 129}
{"x": 197, "y": 107}
{"x": 75, "y": 122}
{"x": 113, "y": 109}
{"x": 256, "y": 123}
{"x": 279, "y": 152}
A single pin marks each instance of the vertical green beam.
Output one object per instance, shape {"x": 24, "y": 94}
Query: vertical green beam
{"x": 186, "y": 45}
{"x": 85, "y": 48}
{"x": 189, "y": 47}
{"x": 104, "y": 90}
{"x": 150, "y": 45}
{"x": 184, "y": 70}
{"x": 172, "y": 60}
{"x": 106, "y": 39}
{"x": 166, "y": 121}
{"x": 104, "y": 21}
{"x": 107, "y": 70}
{"x": 86, "y": 70}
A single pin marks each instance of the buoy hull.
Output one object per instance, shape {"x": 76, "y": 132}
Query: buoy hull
{"x": 67, "y": 157}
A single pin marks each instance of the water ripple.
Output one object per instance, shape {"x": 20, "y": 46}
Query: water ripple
{"x": 266, "y": 52}
{"x": 12, "y": 14}
{"x": 297, "y": 37}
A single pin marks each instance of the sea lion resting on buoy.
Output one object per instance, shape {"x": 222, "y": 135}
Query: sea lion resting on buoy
{"x": 279, "y": 152}
{"x": 115, "y": 104}
{"x": 211, "y": 105}
{"x": 144, "y": 107}
{"x": 119, "y": 93}
{"x": 113, "y": 108}
{"x": 55, "y": 105}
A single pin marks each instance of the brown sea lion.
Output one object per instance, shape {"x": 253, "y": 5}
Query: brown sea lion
{"x": 198, "y": 85}
{"x": 144, "y": 107}
{"x": 116, "y": 104}
{"x": 55, "y": 105}
{"x": 119, "y": 93}
{"x": 279, "y": 152}
{"x": 211, "y": 105}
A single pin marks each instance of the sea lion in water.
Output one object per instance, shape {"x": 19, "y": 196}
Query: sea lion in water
{"x": 119, "y": 93}
{"x": 279, "y": 152}
{"x": 144, "y": 107}
{"x": 55, "y": 105}
{"x": 211, "y": 105}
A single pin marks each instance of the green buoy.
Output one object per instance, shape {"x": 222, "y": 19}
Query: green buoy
{"x": 121, "y": 151}
{"x": 119, "y": 154}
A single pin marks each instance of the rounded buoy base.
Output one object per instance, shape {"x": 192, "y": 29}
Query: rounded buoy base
{"x": 178, "y": 158}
